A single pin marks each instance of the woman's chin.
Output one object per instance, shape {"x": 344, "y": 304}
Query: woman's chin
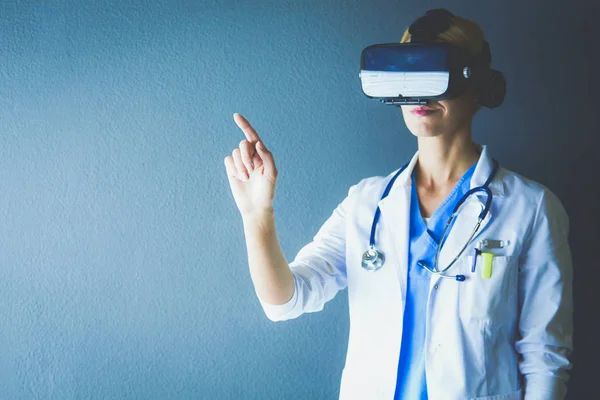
{"x": 424, "y": 131}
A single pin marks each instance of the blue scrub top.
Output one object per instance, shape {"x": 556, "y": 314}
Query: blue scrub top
{"x": 424, "y": 239}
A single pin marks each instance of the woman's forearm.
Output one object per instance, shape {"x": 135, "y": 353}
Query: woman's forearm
{"x": 269, "y": 270}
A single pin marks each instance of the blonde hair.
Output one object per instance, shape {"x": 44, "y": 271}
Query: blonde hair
{"x": 463, "y": 33}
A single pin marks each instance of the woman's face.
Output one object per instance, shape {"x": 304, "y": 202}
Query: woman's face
{"x": 441, "y": 117}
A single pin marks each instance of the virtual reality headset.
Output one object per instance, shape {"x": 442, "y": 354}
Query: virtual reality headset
{"x": 422, "y": 70}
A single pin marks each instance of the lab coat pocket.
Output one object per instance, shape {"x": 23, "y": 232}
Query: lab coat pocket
{"x": 516, "y": 395}
{"x": 489, "y": 299}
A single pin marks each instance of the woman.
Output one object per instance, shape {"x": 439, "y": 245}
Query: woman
{"x": 497, "y": 325}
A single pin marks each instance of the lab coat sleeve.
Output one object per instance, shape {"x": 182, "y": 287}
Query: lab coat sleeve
{"x": 319, "y": 269}
{"x": 545, "y": 298}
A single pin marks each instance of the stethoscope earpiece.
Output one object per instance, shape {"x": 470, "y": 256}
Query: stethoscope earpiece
{"x": 442, "y": 274}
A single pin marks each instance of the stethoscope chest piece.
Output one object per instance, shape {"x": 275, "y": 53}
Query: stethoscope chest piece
{"x": 373, "y": 259}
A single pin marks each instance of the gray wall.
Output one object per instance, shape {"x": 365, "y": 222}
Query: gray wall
{"x": 122, "y": 261}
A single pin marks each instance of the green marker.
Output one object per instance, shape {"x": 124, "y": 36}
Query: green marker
{"x": 486, "y": 271}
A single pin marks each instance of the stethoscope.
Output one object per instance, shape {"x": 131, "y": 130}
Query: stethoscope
{"x": 373, "y": 259}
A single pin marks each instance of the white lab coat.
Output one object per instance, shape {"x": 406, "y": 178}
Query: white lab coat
{"x": 504, "y": 338}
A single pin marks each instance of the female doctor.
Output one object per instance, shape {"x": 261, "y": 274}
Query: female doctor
{"x": 493, "y": 322}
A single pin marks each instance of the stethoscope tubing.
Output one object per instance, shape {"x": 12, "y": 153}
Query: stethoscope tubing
{"x": 373, "y": 259}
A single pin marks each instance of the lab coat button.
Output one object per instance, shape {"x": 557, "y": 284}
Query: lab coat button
{"x": 435, "y": 286}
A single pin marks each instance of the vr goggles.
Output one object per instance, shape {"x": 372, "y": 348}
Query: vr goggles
{"x": 422, "y": 70}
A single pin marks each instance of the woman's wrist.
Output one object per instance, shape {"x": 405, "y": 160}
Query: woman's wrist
{"x": 259, "y": 218}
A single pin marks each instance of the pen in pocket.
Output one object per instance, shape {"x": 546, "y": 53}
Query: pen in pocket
{"x": 477, "y": 252}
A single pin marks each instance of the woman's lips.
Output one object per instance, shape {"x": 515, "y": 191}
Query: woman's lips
{"x": 423, "y": 111}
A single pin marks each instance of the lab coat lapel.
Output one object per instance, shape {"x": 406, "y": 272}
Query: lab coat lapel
{"x": 468, "y": 213}
{"x": 394, "y": 230}
{"x": 393, "y": 227}
{"x": 461, "y": 231}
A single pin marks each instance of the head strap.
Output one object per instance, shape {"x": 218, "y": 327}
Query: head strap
{"x": 428, "y": 27}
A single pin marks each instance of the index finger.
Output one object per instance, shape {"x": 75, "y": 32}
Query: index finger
{"x": 245, "y": 126}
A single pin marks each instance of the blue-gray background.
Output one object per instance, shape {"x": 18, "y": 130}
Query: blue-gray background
{"x": 122, "y": 262}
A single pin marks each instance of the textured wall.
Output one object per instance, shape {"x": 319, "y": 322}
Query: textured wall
{"x": 122, "y": 262}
